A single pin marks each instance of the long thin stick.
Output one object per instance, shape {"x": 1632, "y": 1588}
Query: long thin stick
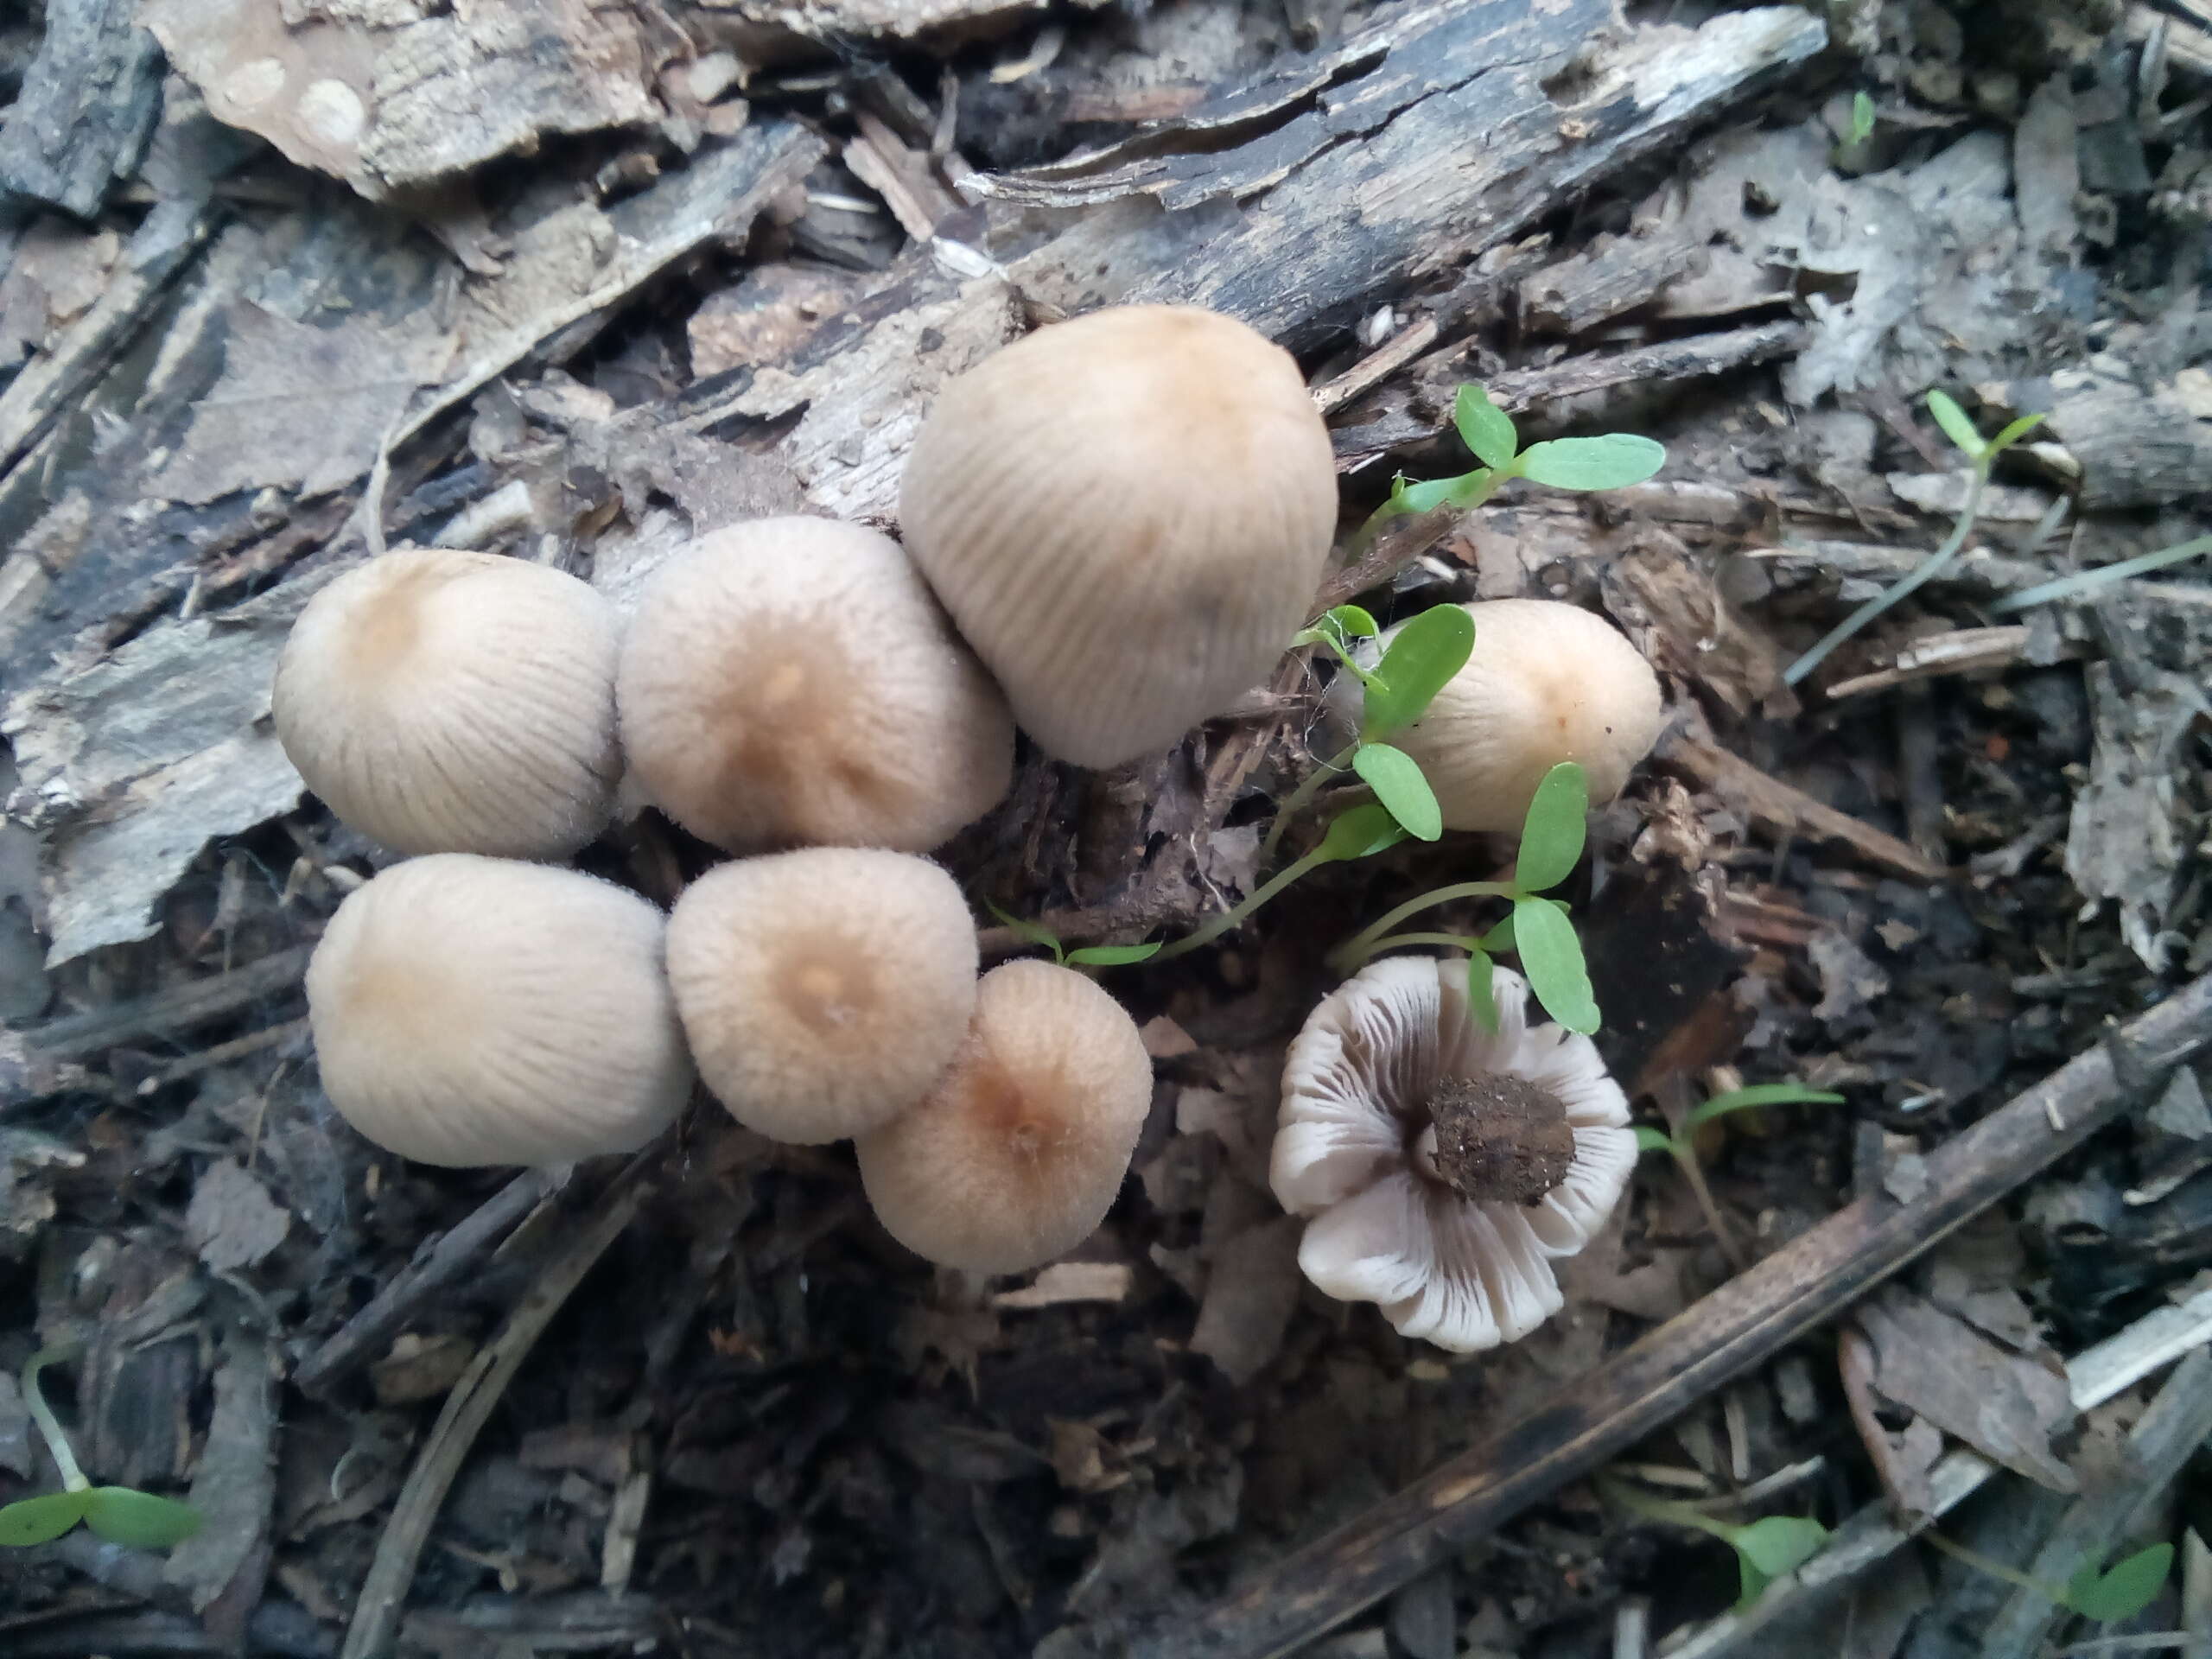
{"x": 1742, "y": 1325}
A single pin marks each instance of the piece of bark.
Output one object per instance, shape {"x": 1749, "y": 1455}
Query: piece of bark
{"x": 223, "y": 1567}
{"x": 2128, "y": 835}
{"x": 1745, "y": 1322}
{"x": 1670, "y": 604}
{"x": 1615, "y": 274}
{"x": 88, "y": 103}
{"x": 2134, "y": 448}
{"x": 417, "y": 100}
{"x": 1781, "y": 808}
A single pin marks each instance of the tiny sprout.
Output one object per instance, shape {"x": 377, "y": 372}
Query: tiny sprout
{"x": 1680, "y": 1144}
{"x": 1765, "y": 1549}
{"x": 1537, "y": 928}
{"x": 118, "y": 1513}
{"x": 1358, "y": 832}
{"x": 1089, "y": 956}
{"x": 1862, "y": 118}
{"x": 2105, "y": 1594}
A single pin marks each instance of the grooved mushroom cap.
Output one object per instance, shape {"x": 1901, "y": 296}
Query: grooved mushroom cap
{"x": 1015, "y": 1156}
{"x": 1128, "y": 515}
{"x": 1355, "y": 1149}
{"x": 792, "y": 680}
{"x": 1546, "y": 683}
{"x": 473, "y": 1010}
{"x": 823, "y": 990}
{"x": 448, "y": 702}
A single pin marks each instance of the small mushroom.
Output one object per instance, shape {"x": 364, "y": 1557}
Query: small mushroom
{"x": 443, "y": 702}
{"x": 472, "y": 1010}
{"x": 1015, "y": 1156}
{"x": 1444, "y": 1166}
{"x": 1128, "y": 515}
{"x": 823, "y": 990}
{"x": 791, "y": 681}
{"x": 1546, "y": 681}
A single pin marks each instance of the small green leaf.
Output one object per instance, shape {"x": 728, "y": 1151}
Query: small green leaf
{"x": 1552, "y": 830}
{"x": 1486, "y": 430}
{"x": 2125, "y": 1590}
{"x": 1611, "y": 462}
{"x": 1750, "y": 1582}
{"x": 42, "y": 1519}
{"x": 1499, "y": 938}
{"x": 1395, "y": 777}
{"x": 1650, "y": 1140}
{"x": 1862, "y": 118}
{"x": 1553, "y": 956}
{"x": 1419, "y": 661}
{"x": 1358, "y": 832}
{"x": 1115, "y": 955}
{"x": 1762, "y": 1094}
{"x": 1781, "y": 1543}
{"x": 2013, "y": 431}
{"x": 1029, "y": 932}
{"x": 1354, "y": 623}
{"x": 138, "y": 1520}
{"x": 1438, "y": 492}
{"x": 1956, "y": 427}
{"x": 1482, "y": 993}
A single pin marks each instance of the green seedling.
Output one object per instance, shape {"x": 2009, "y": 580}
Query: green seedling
{"x": 2083, "y": 584}
{"x": 1358, "y": 832}
{"x": 1680, "y": 1144}
{"x": 1087, "y": 955}
{"x": 1765, "y": 1549}
{"x": 1851, "y": 155}
{"x": 1982, "y": 453}
{"x": 1394, "y": 694}
{"x": 1609, "y": 463}
{"x": 118, "y": 1513}
{"x": 2106, "y": 1594}
{"x": 1535, "y": 928}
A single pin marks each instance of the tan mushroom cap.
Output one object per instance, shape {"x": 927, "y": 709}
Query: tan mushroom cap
{"x": 1016, "y": 1155}
{"x": 1547, "y": 682}
{"x": 824, "y": 990}
{"x": 1128, "y": 515}
{"x": 472, "y": 1010}
{"x": 448, "y": 702}
{"x": 792, "y": 681}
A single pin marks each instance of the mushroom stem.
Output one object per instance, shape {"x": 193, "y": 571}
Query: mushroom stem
{"x": 1307, "y": 789}
{"x": 1354, "y": 953}
{"x": 1497, "y": 1138}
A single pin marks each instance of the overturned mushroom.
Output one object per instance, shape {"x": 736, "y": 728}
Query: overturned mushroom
{"x": 1546, "y": 683}
{"x": 473, "y": 1010}
{"x": 1128, "y": 515}
{"x": 1015, "y": 1156}
{"x": 823, "y": 990}
{"x": 791, "y": 681}
{"x": 443, "y": 702}
{"x": 1444, "y": 1166}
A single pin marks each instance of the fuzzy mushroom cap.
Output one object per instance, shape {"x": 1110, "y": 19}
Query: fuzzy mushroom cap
{"x": 1355, "y": 1147}
{"x": 792, "y": 681}
{"x": 448, "y": 701}
{"x": 1547, "y": 682}
{"x": 1128, "y": 515}
{"x": 473, "y": 1010}
{"x": 1015, "y": 1156}
{"x": 823, "y": 990}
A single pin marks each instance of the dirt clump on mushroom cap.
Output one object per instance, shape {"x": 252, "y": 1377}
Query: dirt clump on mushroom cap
{"x": 1128, "y": 515}
{"x": 441, "y": 701}
{"x": 793, "y": 681}
{"x": 470, "y": 1010}
{"x": 1017, "y": 1153}
{"x": 823, "y": 990}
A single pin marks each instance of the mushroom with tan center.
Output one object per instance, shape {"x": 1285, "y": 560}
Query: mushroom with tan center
{"x": 470, "y": 1010}
{"x": 1546, "y": 683}
{"x": 1445, "y": 1167}
{"x": 823, "y": 990}
{"x": 1128, "y": 515}
{"x": 790, "y": 681}
{"x": 448, "y": 702}
{"x": 1016, "y": 1155}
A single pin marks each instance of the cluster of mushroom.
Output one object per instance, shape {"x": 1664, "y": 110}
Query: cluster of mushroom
{"x": 792, "y": 691}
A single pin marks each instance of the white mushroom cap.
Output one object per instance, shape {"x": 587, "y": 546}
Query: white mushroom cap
{"x": 448, "y": 702}
{"x": 1546, "y": 683}
{"x": 1128, "y": 515}
{"x": 473, "y": 1010}
{"x": 1015, "y": 1156}
{"x": 823, "y": 990}
{"x": 792, "y": 681}
{"x": 1353, "y": 1147}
